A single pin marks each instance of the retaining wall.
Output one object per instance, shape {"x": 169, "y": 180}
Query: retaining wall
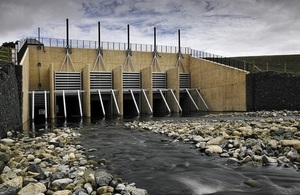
{"x": 10, "y": 98}
{"x": 272, "y": 91}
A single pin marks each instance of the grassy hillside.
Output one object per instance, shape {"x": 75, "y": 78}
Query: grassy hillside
{"x": 280, "y": 63}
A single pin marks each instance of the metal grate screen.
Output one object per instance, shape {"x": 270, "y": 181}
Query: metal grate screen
{"x": 184, "y": 80}
{"x": 131, "y": 80}
{"x": 101, "y": 80}
{"x": 159, "y": 80}
{"x": 67, "y": 81}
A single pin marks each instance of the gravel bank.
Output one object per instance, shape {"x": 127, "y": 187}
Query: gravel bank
{"x": 55, "y": 164}
{"x": 261, "y": 138}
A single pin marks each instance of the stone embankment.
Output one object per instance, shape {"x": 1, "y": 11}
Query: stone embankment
{"x": 261, "y": 138}
{"x": 55, "y": 164}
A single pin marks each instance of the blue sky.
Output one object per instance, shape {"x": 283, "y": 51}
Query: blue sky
{"x": 223, "y": 27}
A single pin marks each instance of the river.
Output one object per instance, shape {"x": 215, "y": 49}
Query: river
{"x": 164, "y": 167}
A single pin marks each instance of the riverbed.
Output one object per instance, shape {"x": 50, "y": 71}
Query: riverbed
{"x": 163, "y": 166}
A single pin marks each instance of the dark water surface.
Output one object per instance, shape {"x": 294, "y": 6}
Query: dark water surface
{"x": 173, "y": 168}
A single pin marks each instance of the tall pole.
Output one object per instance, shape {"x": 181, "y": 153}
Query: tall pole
{"x": 155, "y": 39}
{"x": 128, "y": 40}
{"x": 67, "y": 31}
{"x": 99, "y": 35}
{"x": 179, "y": 49}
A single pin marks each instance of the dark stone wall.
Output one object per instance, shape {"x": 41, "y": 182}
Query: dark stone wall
{"x": 10, "y": 95}
{"x": 272, "y": 91}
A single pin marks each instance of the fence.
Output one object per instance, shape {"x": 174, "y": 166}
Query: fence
{"x": 54, "y": 42}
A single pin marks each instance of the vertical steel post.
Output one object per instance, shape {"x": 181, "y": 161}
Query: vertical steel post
{"x": 67, "y": 33}
{"x": 46, "y": 108}
{"x": 128, "y": 38}
{"x": 179, "y": 49}
{"x": 64, "y": 102}
{"x": 99, "y": 36}
{"x": 155, "y": 39}
{"x": 32, "y": 108}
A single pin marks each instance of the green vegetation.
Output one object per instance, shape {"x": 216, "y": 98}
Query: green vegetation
{"x": 6, "y": 52}
{"x": 278, "y": 63}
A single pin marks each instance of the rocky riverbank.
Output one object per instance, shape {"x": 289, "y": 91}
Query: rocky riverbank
{"x": 55, "y": 164}
{"x": 260, "y": 138}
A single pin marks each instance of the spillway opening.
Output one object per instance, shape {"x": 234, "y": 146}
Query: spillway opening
{"x": 39, "y": 105}
{"x": 72, "y": 106}
{"x": 159, "y": 107}
{"x": 96, "y": 108}
{"x": 186, "y": 104}
{"x": 129, "y": 108}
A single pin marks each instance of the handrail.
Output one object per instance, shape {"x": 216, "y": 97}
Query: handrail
{"x": 88, "y": 44}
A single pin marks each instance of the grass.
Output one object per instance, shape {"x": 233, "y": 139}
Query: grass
{"x": 278, "y": 63}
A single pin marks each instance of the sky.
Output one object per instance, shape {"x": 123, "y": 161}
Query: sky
{"x": 223, "y": 27}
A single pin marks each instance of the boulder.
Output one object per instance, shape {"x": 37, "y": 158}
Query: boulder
{"x": 102, "y": 178}
{"x": 33, "y": 188}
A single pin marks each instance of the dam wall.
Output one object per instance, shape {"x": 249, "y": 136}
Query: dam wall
{"x": 222, "y": 87}
{"x": 206, "y": 85}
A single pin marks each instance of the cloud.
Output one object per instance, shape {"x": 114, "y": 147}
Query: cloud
{"x": 228, "y": 28}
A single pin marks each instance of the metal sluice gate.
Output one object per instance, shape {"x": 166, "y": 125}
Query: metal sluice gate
{"x": 68, "y": 84}
{"x": 185, "y": 87}
{"x": 159, "y": 82}
{"x": 101, "y": 83}
{"x": 132, "y": 85}
{"x": 39, "y": 103}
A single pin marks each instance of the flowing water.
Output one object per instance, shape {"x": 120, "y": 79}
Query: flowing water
{"x": 163, "y": 167}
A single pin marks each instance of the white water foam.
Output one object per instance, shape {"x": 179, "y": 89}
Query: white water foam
{"x": 199, "y": 188}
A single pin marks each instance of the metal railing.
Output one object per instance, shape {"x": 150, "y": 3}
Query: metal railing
{"x": 55, "y": 42}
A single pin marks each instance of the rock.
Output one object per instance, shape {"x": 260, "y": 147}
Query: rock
{"x": 135, "y": 191}
{"x": 61, "y": 183}
{"x": 88, "y": 187}
{"x": 4, "y": 157}
{"x": 16, "y": 182}
{"x": 102, "y": 178}
{"x": 8, "y": 190}
{"x": 33, "y": 188}
{"x": 213, "y": 149}
{"x": 268, "y": 160}
{"x": 37, "y": 169}
{"x": 253, "y": 183}
{"x": 7, "y": 141}
{"x": 62, "y": 192}
{"x": 105, "y": 189}
{"x": 89, "y": 177}
{"x": 30, "y": 157}
{"x": 197, "y": 138}
{"x": 215, "y": 141}
{"x": 273, "y": 143}
{"x": 290, "y": 142}
{"x": 246, "y": 131}
{"x": 293, "y": 154}
{"x": 120, "y": 187}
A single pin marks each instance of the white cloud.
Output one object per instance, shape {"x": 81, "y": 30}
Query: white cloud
{"x": 228, "y": 28}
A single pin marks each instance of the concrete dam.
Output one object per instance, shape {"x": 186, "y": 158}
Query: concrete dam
{"x": 63, "y": 78}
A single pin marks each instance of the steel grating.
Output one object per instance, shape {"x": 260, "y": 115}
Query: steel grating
{"x": 67, "y": 81}
{"x": 131, "y": 80}
{"x": 159, "y": 80}
{"x": 101, "y": 80}
{"x": 184, "y": 80}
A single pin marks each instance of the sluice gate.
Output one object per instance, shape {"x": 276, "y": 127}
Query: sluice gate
{"x": 68, "y": 89}
{"x": 39, "y": 104}
{"x": 131, "y": 90}
{"x": 186, "y": 93}
{"x": 160, "y": 90}
{"x": 101, "y": 87}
